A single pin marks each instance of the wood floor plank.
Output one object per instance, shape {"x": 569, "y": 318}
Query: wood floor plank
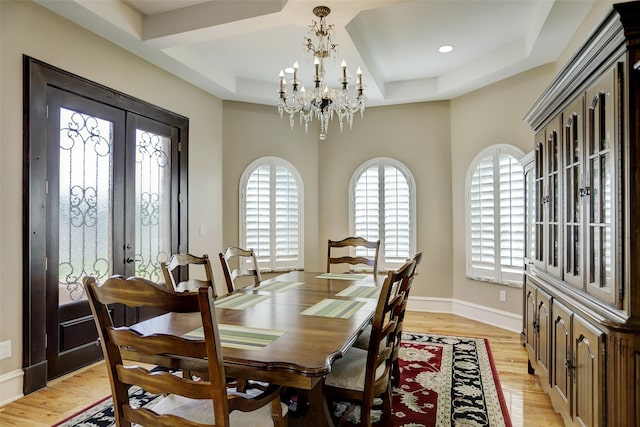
{"x": 528, "y": 405}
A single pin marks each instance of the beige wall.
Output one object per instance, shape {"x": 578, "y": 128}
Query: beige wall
{"x": 489, "y": 116}
{"x": 74, "y": 49}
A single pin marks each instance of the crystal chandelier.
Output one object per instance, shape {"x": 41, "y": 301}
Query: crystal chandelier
{"x": 320, "y": 102}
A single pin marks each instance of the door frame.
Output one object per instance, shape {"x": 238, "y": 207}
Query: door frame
{"x": 37, "y": 77}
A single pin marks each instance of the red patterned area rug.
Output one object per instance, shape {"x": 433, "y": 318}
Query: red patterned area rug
{"x": 448, "y": 381}
{"x": 445, "y": 381}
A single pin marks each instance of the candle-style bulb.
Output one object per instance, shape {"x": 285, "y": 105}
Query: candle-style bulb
{"x": 316, "y": 62}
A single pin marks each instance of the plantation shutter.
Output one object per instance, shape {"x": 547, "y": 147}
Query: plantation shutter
{"x": 397, "y": 225}
{"x": 512, "y": 206}
{"x": 272, "y": 207}
{"x": 496, "y": 219}
{"x": 286, "y": 218}
{"x": 367, "y": 208}
{"x": 482, "y": 220}
{"x": 382, "y": 210}
{"x": 258, "y": 213}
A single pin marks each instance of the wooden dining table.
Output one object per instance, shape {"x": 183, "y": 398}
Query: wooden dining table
{"x": 286, "y": 331}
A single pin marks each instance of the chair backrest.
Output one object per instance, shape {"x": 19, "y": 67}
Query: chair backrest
{"x": 405, "y": 288}
{"x": 234, "y": 260}
{"x": 383, "y": 330}
{"x": 118, "y": 342}
{"x": 172, "y": 270}
{"x": 400, "y": 309}
{"x": 353, "y": 242}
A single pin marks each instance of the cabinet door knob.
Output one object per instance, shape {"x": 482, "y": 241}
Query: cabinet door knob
{"x": 584, "y": 191}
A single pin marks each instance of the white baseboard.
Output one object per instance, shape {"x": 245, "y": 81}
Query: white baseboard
{"x": 11, "y": 386}
{"x": 491, "y": 316}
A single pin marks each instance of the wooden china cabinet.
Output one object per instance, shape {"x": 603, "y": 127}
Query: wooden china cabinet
{"x": 581, "y": 322}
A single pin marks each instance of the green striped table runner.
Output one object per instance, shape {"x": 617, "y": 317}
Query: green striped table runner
{"x": 335, "y": 308}
{"x": 240, "y": 301}
{"x": 360, "y": 291}
{"x": 241, "y": 337}
{"x": 278, "y": 286}
{"x": 341, "y": 276}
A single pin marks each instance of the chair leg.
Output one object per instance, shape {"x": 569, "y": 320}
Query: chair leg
{"x": 344, "y": 419}
{"x": 276, "y": 414}
{"x": 365, "y": 414}
{"x": 386, "y": 407}
{"x": 395, "y": 373}
{"x": 241, "y": 385}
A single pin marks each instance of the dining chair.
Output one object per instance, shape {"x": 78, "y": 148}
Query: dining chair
{"x": 361, "y": 375}
{"x": 242, "y": 257}
{"x": 364, "y": 337}
{"x": 353, "y": 243}
{"x": 184, "y": 401}
{"x": 172, "y": 268}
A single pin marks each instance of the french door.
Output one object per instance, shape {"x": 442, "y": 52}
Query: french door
{"x": 112, "y": 181}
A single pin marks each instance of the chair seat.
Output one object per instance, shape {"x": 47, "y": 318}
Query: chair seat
{"x": 201, "y": 411}
{"x": 349, "y": 371}
{"x": 363, "y": 339}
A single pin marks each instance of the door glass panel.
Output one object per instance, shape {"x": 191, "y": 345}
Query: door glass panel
{"x": 573, "y": 193}
{"x": 540, "y": 203}
{"x": 553, "y": 258}
{"x": 595, "y": 211}
{"x": 601, "y": 214}
{"x": 85, "y": 203}
{"x": 152, "y": 204}
{"x": 530, "y": 251}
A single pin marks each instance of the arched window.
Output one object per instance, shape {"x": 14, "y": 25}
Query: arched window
{"x": 495, "y": 216}
{"x": 382, "y": 206}
{"x": 271, "y": 220}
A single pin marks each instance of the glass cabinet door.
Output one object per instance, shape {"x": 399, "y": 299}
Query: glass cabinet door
{"x": 528, "y": 165}
{"x": 573, "y": 193}
{"x": 537, "y": 246}
{"x": 600, "y": 190}
{"x": 553, "y": 151}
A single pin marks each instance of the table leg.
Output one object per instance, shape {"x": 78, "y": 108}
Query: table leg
{"x": 318, "y": 413}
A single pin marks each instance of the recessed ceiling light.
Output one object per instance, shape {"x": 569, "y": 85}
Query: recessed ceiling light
{"x": 445, "y": 48}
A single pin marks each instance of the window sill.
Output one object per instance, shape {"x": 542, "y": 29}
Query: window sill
{"x": 510, "y": 284}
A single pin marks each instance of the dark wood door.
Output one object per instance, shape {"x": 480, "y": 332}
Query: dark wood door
{"x": 85, "y": 194}
{"x": 109, "y": 198}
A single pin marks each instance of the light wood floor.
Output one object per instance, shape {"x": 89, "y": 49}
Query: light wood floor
{"x": 528, "y": 404}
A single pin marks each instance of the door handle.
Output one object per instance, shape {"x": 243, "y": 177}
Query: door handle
{"x": 129, "y": 260}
